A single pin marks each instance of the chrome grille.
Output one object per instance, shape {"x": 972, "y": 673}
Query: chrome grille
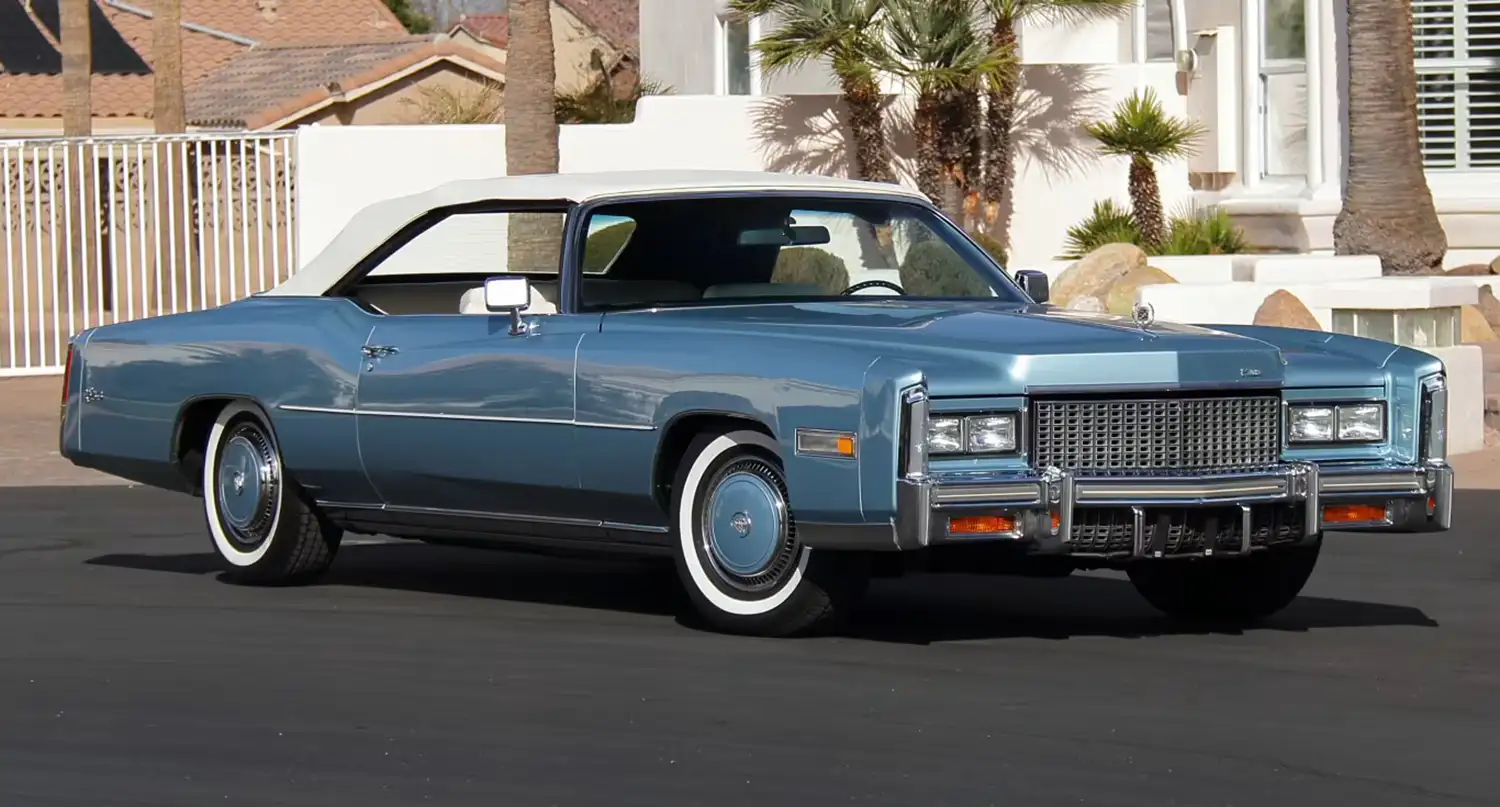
{"x": 1157, "y": 434}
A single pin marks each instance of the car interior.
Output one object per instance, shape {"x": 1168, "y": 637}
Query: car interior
{"x": 678, "y": 251}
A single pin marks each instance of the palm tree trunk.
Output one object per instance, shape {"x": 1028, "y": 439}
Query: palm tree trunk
{"x": 535, "y": 240}
{"x": 862, "y": 96}
{"x": 78, "y": 122}
{"x": 1000, "y": 121}
{"x": 1145, "y": 200}
{"x": 1388, "y": 209}
{"x": 169, "y": 114}
{"x": 927, "y": 126}
{"x": 77, "y": 64}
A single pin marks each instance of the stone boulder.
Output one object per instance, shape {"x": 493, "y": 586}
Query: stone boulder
{"x": 1489, "y": 307}
{"x": 1095, "y": 271}
{"x": 1474, "y": 327}
{"x": 1495, "y": 267}
{"x": 1120, "y": 297}
{"x": 1282, "y": 309}
{"x": 1091, "y": 304}
{"x": 1472, "y": 269}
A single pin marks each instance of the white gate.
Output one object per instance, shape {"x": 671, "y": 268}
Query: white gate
{"x": 106, "y": 229}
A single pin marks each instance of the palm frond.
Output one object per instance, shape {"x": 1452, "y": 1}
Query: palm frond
{"x": 847, "y": 32}
{"x": 1140, "y": 128}
{"x": 937, "y": 44}
{"x": 1071, "y": 11}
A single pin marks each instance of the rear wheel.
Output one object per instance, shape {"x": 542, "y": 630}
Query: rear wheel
{"x": 261, "y": 524}
{"x": 1234, "y": 590}
{"x": 737, "y": 549}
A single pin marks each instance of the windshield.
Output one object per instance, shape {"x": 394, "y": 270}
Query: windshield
{"x": 748, "y": 249}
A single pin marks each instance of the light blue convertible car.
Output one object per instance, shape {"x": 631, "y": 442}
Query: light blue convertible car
{"x": 787, "y": 384}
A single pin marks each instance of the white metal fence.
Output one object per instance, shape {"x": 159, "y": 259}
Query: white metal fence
{"x": 107, "y": 229}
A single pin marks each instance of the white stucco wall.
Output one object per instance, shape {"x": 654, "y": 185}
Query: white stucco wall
{"x": 1060, "y": 172}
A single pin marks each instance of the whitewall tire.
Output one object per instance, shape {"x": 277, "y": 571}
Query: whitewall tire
{"x": 735, "y": 541}
{"x": 262, "y": 526}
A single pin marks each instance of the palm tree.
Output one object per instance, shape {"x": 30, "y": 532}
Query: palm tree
{"x": 848, "y": 34}
{"x": 1001, "y": 94}
{"x": 1143, "y": 132}
{"x": 77, "y": 63}
{"x": 600, "y": 102}
{"x": 1388, "y": 209}
{"x": 937, "y": 47}
{"x": 535, "y": 240}
{"x": 169, "y": 116}
{"x": 168, "y": 109}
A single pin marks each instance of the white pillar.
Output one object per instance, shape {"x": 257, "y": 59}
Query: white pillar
{"x": 1316, "y": 40}
{"x": 1331, "y": 21}
{"x": 1250, "y": 117}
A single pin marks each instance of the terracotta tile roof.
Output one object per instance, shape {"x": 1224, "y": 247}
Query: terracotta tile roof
{"x": 618, "y": 21}
{"x": 323, "y": 21}
{"x": 268, "y": 84}
{"x": 492, "y": 28}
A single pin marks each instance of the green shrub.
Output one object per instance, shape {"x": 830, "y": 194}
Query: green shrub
{"x": 1107, "y": 224}
{"x": 1199, "y": 231}
{"x": 1203, "y": 231}
{"x": 933, "y": 269}
{"x": 602, "y": 246}
{"x": 812, "y": 266}
{"x": 991, "y": 246}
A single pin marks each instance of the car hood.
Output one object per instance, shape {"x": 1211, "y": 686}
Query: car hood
{"x": 1032, "y": 347}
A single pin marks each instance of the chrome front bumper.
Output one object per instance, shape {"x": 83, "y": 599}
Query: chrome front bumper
{"x": 1045, "y": 506}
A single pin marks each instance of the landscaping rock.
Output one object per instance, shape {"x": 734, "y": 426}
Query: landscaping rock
{"x": 1284, "y": 310}
{"x": 1093, "y": 273}
{"x": 1092, "y": 304}
{"x": 1489, "y": 307}
{"x": 1120, "y": 297}
{"x": 1473, "y": 326}
{"x": 1472, "y": 269}
{"x": 1495, "y": 267}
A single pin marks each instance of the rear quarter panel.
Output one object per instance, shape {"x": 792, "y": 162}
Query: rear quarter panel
{"x": 272, "y": 350}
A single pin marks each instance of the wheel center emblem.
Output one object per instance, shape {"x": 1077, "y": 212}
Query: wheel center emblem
{"x": 741, "y": 523}
{"x": 239, "y": 482}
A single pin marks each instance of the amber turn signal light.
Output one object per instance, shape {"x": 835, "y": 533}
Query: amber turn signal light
{"x": 1353, "y": 513}
{"x": 981, "y": 525}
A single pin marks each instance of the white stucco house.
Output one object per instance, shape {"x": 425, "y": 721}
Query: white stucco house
{"x": 1266, "y": 76}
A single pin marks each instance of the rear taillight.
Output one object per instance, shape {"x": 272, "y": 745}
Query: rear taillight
{"x": 67, "y": 379}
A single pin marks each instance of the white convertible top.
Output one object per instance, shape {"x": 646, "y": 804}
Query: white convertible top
{"x": 373, "y": 225}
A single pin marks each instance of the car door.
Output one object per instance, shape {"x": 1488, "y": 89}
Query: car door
{"x": 457, "y": 414}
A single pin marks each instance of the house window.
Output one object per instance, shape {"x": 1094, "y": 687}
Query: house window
{"x": 736, "y": 67}
{"x": 1160, "y": 45}
{"x": 1283, "y": 88}
{"x": 1458, "y": 82}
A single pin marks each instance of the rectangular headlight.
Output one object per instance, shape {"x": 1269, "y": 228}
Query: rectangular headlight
{"x": 972, "y": 434}
{"x": 989, "y": 434}
{"x": 1361, "y": 422}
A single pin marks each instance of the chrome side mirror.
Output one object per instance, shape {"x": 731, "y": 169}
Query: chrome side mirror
{"x": 1034, "y": 283}
{"x": 508, "y": 294}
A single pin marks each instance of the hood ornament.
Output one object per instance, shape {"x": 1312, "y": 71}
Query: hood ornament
{"x": 1144, "y": 315}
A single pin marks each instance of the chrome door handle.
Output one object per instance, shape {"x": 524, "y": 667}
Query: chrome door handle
{"x": 376, "y": 351}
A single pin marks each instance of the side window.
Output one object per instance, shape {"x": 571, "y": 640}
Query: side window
{"x": 442, "y": 270}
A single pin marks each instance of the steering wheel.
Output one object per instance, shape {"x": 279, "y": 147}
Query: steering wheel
{"x": 870, "y": 284}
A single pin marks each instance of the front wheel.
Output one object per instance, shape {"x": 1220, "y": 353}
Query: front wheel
{"x": 736, "y": 543}
{"x": 1233, "y": 590}
{"x": 262, "y": 526}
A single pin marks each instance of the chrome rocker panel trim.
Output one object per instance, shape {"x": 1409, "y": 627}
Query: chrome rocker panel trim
{"x": 925, "y": 502}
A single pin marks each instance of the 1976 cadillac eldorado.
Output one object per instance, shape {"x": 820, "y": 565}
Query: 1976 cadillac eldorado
{"x": 658, "y": 363}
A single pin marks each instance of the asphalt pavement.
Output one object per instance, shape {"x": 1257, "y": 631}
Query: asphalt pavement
{"x": 130, "y": 674}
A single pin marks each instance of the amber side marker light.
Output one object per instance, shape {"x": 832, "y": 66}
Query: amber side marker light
{"x": 981, "y": 525}
{"x": 1353, "y": 513}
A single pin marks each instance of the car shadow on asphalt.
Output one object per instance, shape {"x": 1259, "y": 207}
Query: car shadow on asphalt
{"x": 912, "y": 610}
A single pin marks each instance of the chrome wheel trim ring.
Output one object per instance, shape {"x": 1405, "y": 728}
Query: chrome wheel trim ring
{"x": 247, "y": 479}
{"x": 746, "y": 532}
